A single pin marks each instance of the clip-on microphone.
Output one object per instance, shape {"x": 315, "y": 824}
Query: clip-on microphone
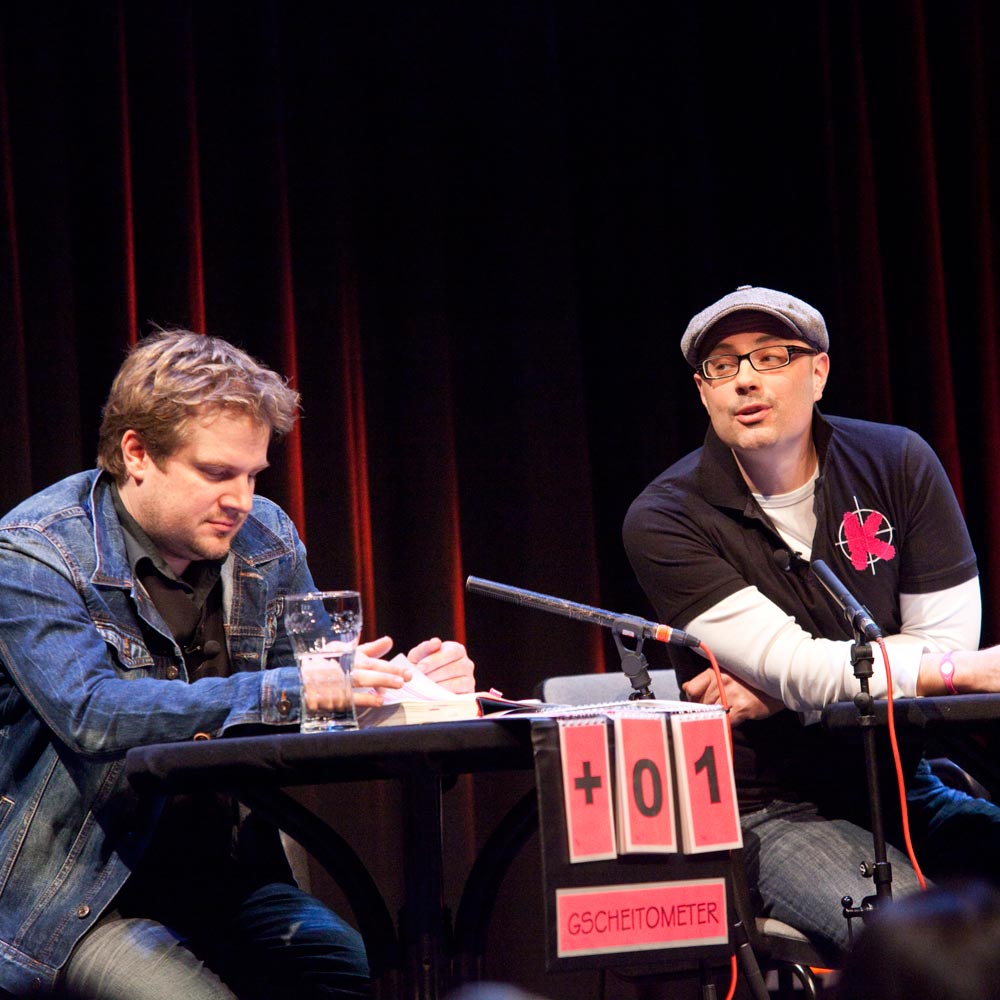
{"x": 634, "y": 663}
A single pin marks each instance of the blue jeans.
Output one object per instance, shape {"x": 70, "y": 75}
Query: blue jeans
{"x": 801, "y": 863}
{"x": 277, "y": 943}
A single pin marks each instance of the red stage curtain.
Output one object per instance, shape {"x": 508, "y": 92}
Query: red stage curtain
{"x": 472, "y": 234}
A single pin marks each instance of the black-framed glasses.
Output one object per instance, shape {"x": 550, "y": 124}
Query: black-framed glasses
{"x": 764, "y": 359}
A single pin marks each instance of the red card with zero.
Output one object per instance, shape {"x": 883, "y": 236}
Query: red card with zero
{"x": 586, "y": 774}
{"x": 706, "y": 786}
{"x": 645, "y": 786}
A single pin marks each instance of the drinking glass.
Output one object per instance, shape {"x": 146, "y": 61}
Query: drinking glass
{"x": 324, "y": 628}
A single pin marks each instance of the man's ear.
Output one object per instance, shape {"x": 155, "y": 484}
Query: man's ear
{"x": 700, "y": 382}
{"x": 135, "y": 455}
{"x": 821, "y": 372}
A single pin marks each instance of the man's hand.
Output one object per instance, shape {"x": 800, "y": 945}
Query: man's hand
{"x": 447, "y": 663}
{"x": 370, "y": 671}
{"x": 744, "y": 702}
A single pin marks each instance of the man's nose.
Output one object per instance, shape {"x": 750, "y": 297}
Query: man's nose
{"x": 239, "y": 495}
{"x": 746, "y": 375}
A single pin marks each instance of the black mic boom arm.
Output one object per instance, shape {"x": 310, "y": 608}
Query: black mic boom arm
{"x": 626, "y": 624}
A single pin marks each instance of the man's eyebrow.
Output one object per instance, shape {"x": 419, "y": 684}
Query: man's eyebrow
{"x": 724, "y": 347}
{"x": 228, "y": 466}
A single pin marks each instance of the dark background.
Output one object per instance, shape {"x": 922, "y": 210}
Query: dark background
{"x": 472, "y": 234}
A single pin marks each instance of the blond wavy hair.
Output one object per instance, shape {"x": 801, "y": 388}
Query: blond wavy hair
{"x": 174, "y": 376}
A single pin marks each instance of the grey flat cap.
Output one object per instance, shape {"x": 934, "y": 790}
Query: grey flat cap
{"x": 803, "y": 321}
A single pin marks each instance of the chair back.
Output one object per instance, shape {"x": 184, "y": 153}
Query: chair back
{"x": 595, "y": 689}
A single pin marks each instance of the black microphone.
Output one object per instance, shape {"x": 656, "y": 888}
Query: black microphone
{"x": 855, "y": 612}
{"x": 582, "y": 612}
{"x": 785, "y": 559}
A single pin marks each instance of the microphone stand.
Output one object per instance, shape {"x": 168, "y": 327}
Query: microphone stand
{"x": 881, "y": 872}
{"x": 865, "y": 631}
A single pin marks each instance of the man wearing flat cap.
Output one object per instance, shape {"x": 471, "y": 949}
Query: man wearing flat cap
{"x": 721, "y": 543}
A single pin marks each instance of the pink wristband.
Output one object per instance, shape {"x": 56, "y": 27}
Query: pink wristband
{"x": 947, "y": 669}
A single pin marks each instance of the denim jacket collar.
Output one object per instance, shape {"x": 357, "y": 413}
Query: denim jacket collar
{"x": 254, "y": 544}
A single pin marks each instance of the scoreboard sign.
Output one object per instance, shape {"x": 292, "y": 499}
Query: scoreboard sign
{"x": 637, "y": 812}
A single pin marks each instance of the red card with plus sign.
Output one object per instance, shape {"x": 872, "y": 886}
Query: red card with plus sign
{"x": 586, "y": 774}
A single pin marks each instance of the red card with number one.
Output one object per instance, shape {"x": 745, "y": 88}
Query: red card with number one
{"x": 586, "y": 774}
{"x": 710, "y": 819}
{"x": 645, "y": 785}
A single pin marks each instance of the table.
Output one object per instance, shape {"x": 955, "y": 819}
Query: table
{"x": 256, "y": 769}
{"x": 963, "y": 727}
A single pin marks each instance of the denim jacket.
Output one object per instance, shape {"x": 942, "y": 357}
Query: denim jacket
{"x": 80, "y": 685}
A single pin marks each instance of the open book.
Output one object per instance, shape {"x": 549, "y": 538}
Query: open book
{"x": 422, "y": 700}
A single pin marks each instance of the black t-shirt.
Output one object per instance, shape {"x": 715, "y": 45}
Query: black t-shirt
{"x": 887, "y": 523}
{"x": 206, "y": 848}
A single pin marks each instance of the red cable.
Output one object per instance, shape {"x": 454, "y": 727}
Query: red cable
{"x": 900, "y": 782}
{"x": 723, "y": 701}
{"x": 732, "y": 977}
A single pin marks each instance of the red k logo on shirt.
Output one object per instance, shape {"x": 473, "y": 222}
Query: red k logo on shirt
{"x": 867, "y": 536}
